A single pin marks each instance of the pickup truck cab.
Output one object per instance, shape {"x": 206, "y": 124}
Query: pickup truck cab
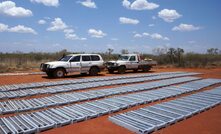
{"x": 130, "y": 62}
{"x": 77, "y": 63}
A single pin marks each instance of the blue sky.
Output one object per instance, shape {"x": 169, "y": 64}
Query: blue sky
{"x": 96, "y": 25}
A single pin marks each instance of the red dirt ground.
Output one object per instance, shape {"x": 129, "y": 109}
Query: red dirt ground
{"x": 208, "y": 122}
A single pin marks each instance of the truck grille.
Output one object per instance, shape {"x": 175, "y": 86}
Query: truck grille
{"x": 43, "y": 67}
{"x": 109, "y": 64}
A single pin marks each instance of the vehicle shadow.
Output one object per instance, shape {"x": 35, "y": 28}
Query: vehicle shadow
{"x": 82, "y": 76}
{"x": 132, "y": 72}
{"x": 76, "y": 76}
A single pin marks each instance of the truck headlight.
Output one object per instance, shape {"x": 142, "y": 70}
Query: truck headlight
{"x": 49, "y": 66}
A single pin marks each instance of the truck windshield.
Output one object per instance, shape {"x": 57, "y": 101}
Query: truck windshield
{"x": 123, "y": 58}
{"x": 65, "y": 58}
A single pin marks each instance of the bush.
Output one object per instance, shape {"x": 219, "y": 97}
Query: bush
{"x": 28, "y": 61}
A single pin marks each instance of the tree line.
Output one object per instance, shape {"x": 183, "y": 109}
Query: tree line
{"x": 176, "y": 57}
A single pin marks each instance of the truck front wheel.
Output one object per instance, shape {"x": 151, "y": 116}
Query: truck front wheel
{"x": 50, "y": 74}
{"x": 121, "y": 70}
{"x": 135, "y": 70}
{"x": 59, "y": 73}
{"x": 110, "y": 71}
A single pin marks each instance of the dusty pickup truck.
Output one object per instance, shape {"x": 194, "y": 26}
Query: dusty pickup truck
{"x": 78, "y": 63}
{"x": 130, "y": 62}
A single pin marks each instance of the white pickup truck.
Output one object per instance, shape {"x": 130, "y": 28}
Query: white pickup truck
{"x": 78, "y": 63}
{"x": 130, "y": 62}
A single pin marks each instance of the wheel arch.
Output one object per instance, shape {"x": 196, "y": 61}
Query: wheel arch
{"x": 61, "y": 68}
{"x": 123, "y": 66}
{"x": 95, "y": 67}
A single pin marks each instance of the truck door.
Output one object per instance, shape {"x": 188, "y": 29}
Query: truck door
{"x": 133, "y": 62}
{"x": 75, "y": 64}
{"x": 85, "y": 63}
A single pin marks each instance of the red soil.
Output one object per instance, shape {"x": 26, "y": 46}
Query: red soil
{"x": 208, "y": 122}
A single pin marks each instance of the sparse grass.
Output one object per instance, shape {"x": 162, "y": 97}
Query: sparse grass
{"x": 11, "y": 62}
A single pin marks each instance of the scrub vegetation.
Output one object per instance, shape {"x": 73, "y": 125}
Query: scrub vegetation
{"x": 166, "y": 57}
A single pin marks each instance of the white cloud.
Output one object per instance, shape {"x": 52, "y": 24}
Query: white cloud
{"x": 41, "y": 22}
{"x": 139, "y": 5}
{"x": 69, "y": 34}
{"x": 186, "y": 28}
{"x": 143, "y": 5}
{"x": 83, "y": 38}
{"x": 96, "y": 33}
{"x": 156, "y": 36}
{"x": 145, "y": 34}
{"x": 124, "y": 20}
{"x": 166, "y": 38}
{"x": 16, "y": 29}
{"x": 138, "y": 35}
{"x": 3, "y": 27}
{"x": 21, "y": 29}
{"x": 57, "y": 25}
{"x": 9, "y": 8}
{"x": 151, "y": 25}
{"x": 54, "y": 3}
{"x": 88, "y": 3}
{"x": 68, "y": 31}
{"x": 169, "y": 15}
{"x": 126, "y": 3}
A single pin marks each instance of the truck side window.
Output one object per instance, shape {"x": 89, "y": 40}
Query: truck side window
{"x": 95, "y": 58}
{"x": 132, "y": 58}
{"x": 86, "y": 58}
{"x": 75, "y": 59}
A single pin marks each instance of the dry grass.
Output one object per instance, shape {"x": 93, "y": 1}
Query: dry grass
{"x": 13, "y": 62}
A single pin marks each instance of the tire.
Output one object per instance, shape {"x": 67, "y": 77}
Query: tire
{"x": 121, "y": 70}
{"x": 110, "y": 71}
{"x": 145, "y": 68}
{"x": 59, "y": 73}
{"x": 135, "y": 70}
{"x": 50, "y": 74}
{"x": 93, "y": 71}
{"x": 83, "y": 74}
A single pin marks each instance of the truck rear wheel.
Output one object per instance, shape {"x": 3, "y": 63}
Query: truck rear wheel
{"x": 146, "y": 68}
{"x": 121, "y": 70}
{"x": 94, "y": 71}
{"x": 59, "y": 73}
